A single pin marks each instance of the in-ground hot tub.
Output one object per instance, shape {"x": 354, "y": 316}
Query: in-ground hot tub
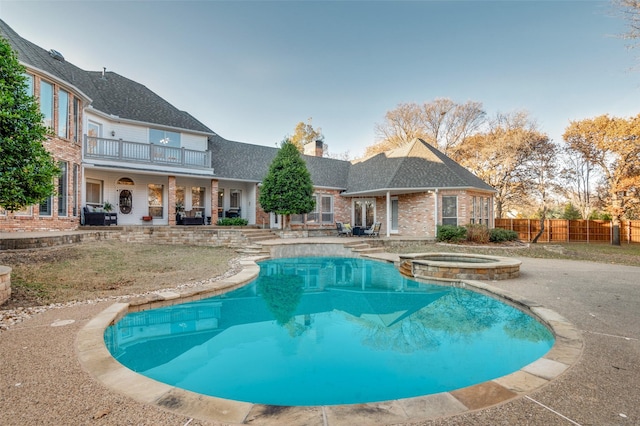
{"x": 459, "y": 266}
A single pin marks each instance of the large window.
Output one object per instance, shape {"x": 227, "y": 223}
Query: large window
{"x": 93, "y": 191}
{"x": 63, "y": 181}
{"x": 29, "y": 81}
{"x": 394, "y": 214}
{"x": 156, "y": 192}
{"x": 164, "y": 138}
{"x": 197, "y": 198}
{"x": 450, "y": 211}
{"x": 234, "y": 198}
{"x": 63, "y": 114}
{"x": 326, "y": 208}
{"x": 45, "y": 207}
{"x": 46, "y": 103}
{"x": 180, "y": 197}
{"x": 74, "y": 186}
{"x": 76, "y": 120}
{"x": 322, "y": 212}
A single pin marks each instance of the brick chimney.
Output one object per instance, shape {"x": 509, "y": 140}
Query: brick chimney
{"x": 315, "y": 149}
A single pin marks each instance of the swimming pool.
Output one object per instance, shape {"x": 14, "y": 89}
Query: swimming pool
{"x": 326, "y": 331}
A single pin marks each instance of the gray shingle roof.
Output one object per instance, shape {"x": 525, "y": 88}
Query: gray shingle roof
{"x": 243, "y": 161}
{"x": 113, "y": 95}
{"x": 416, "y": 166}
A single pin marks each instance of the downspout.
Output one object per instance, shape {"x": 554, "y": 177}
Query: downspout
{"x": 435, "y": 214}
{"x": 388, "y": 214}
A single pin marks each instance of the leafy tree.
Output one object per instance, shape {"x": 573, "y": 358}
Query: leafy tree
{"x": 571, "y": 212}
{"x": 441, "y": 123}
{"x": 287, "y": 189}
{"x": 26, "y": 168}
{"x": 612, "y": 146}
{"x": 304, "y": 133}
{"x": 499, "y": 157}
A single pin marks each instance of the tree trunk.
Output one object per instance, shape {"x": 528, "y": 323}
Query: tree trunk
{"x": 539, "y": 234}
{"x": 543, "y": 217}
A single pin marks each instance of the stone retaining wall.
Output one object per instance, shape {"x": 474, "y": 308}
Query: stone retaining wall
{"x": 5, "y": 283}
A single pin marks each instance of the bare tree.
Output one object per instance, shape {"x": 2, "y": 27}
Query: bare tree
{"x": 541, "y": 168}
{"x": 441, "y": 123}
{"x": 576, "y": 176}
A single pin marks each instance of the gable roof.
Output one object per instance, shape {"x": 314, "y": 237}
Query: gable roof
{"x": 247, "y": 162}
{"x": 415, "y": 167}
{"x": 113, "y": 95}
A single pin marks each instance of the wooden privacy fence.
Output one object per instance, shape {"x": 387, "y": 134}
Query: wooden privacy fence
{"x": 572, "y": 231}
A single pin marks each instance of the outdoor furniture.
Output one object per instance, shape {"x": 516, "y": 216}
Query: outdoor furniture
{"x": 96, "y": 216}
{"x": 191, "y": 217}
{"x": 343, "y": 229}
{"x": 358, "y": 231}
{"x": 233, "y": 212}
{"x": 374, "y": 231}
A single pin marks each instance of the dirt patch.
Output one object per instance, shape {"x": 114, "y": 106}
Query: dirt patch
{"x": 106, "y": 268}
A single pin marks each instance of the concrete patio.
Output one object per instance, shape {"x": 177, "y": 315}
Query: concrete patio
{"x": 42, "y": 380}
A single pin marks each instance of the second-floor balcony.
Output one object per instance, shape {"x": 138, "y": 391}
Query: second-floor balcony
{"x": 144, "y": 153}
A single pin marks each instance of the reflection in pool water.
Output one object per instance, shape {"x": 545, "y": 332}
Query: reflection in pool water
{"x": 325, "y": 331}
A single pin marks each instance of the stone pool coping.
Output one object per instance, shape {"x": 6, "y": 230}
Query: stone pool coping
{"x": 452, "y": 266}
{"x": 96, "y": 359}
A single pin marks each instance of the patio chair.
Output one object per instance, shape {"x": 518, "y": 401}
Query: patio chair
{"x": 343, "y": 229}
{"x": 374, "y": 231}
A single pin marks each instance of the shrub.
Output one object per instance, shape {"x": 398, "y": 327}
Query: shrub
{"x": 232, "y": 221}
{"x": 451, "y": 233}
{"x": 477, "y": 233}
{"x": 497, "y": 235}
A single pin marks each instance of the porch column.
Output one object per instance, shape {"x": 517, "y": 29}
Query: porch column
{"x": 388, "y": 213}
{"x": 172, "y": 200}
{"x": 214, "y": 201}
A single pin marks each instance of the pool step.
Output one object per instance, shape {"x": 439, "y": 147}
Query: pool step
{"x": 406, "y": 268}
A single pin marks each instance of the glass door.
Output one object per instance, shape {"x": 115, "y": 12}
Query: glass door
{"x": 364, "y": 212}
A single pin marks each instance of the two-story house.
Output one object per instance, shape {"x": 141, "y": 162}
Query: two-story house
{"x": 120, "y": 144}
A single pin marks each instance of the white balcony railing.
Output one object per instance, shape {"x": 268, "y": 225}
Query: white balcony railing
{"x": 145, "y": 153}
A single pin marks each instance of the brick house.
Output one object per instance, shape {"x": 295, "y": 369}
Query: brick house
{"x": 118, "y": 142}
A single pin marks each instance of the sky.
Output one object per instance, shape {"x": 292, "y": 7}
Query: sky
{"x": 251, "y": 70}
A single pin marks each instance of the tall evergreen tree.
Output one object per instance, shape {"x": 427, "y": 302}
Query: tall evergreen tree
{"x": 26, "y": 168}
{"x": 287, "y": 188}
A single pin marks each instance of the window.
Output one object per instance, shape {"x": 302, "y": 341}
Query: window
{"x": 180, "y": 191}
{"x": 326, "y": 206}
{"x": 197, "y": 198}
{"x": 63, "y": 180}
{"x": 450, "y": 211}
{"x": 76, "y": 119}
{"x": 487, "y": 209}
{"x": 46, "y": 103}
{"x": 63, "y": 114}
{"x": 394, "y": 214}
{"x": 74, "y": 195}
{"x": 164, "y": 138}
{"x": 29, "y": 81}
{"x": 234, "y": 200}
{"x": 314, "y": 215}
{"x": 45, "y": 207}
{"x": 473, "y": 210}
{"x": 93, "y": 191}
{"x": 155, "y": 200}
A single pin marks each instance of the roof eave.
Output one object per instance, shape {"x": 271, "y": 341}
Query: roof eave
{"x": 118, "y": 119}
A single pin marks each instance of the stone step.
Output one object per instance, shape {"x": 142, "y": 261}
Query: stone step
{"x": 253, "y": 239}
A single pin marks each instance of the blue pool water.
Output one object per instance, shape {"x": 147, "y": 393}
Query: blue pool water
{"x": 326, "y": 331}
